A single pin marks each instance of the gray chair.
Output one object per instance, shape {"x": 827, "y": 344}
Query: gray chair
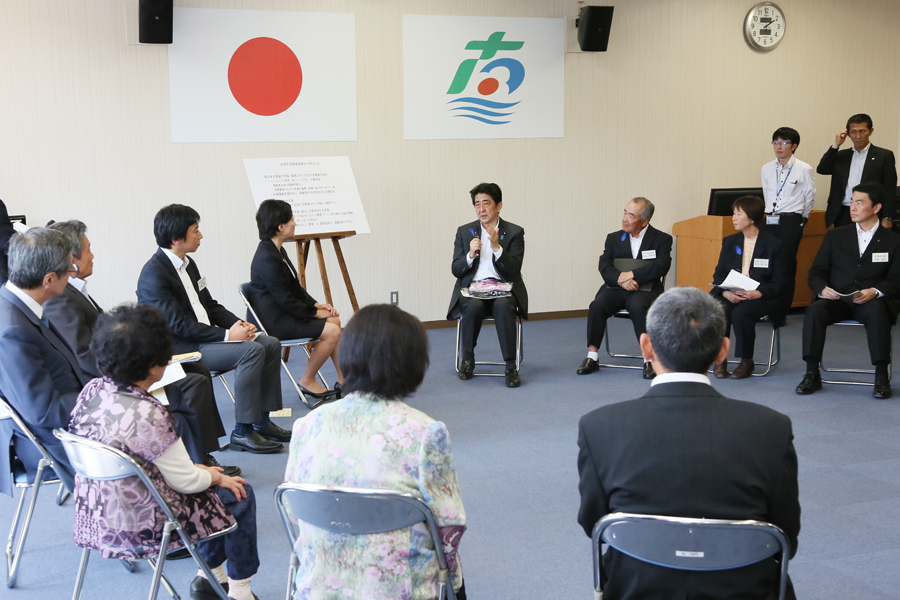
{"x": 357, "y": 511}
{"x": 622, "y": 314}
{"x": 852, "y": 323}
{"x": 774, "y": 349}
{"x": 689, "y": 544}
{"x": 246, "y": 293}
{"x": 519, "y": 354}
{"x": 14, "y": 544}
{"x": 98, "y": 461}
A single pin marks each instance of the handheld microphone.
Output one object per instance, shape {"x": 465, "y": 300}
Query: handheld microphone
{"x": 477, "y": 252}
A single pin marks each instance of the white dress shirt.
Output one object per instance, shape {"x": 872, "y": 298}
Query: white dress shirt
{"x": 864, "y": 237}
{"x": 80, "y": 285}
{"x": 637, "y": 241}
{"x": 857, "y": 163}
{"x": 680, "y": 378}
{"x": 789, "y": 188}
{"x": 28, "y": 300}
{"x": 486, "y": 268}
{"x": 181, "y": 266}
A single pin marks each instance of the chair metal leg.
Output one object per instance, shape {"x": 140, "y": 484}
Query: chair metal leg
{"x": 223, "y": 595}
{"x": 82, "y": 568}
{"x": 62, "y": 494}
{"x": 617, "y": 355}
{"x": 227, "y": 387}
{"x": 519, "y": 353}
{"x": 35, "y": 489}
{"x": 127, "y": 564}
{"x": 10, "y": 542}
{"x": 859, "y": 371}
{"x": 292, "y": 573}
{"x": 161, "y": 560}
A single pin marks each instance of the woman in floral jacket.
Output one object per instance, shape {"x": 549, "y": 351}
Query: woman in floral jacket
{"x": 372, "y": 439}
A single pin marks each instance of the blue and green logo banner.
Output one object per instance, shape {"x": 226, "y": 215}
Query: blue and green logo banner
{"x": 483, "y": 77}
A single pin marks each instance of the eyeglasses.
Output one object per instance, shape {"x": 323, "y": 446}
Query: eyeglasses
{"x": 780, "y": 143}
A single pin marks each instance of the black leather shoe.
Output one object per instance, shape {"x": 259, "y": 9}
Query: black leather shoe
{"x": 202, "y": 589}
{"x": 812, "y": 382}
{"x": 254, "y": 443}
{"x": 179, "y": 554}
{"x": 273, "y": 432}
{"x": 317, "y": 395}
{"x": 512, "y": 378}
{"x": 210, "y": 461}
{"x": 882, "y": 389}
{"x": 649, "y": 373}
{"x": 467, "y": 370}
{"x": 338, "y": 390}
{"x": 720, "y": 371}
{"x": 588, "y": 366}
{"x": 743, "y": 370}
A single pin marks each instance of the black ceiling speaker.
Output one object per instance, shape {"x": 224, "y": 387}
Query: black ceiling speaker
{"x": 594, "y": 23}
{"x": 155, "y": 21}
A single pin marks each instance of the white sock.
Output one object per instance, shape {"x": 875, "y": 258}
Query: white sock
{"x": 219, "y": 572}
{"x": 593, "y": 355}
{"x": 239, "y": 589}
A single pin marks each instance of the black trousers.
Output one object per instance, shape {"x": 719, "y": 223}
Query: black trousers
{"x": 874, "y": 314}
{"x": 608, "y": 302}
{"x": 744, "y": 316}
{"x": 790, "y": 231}
{"x": 473, "y": 312}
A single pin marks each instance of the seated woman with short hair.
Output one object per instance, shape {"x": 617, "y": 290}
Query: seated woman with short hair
{"x": 757, "y": 255}
{"x": 373, "y": 439}
{"x": 288, "y": 312}
{"x": 133, "y": 345}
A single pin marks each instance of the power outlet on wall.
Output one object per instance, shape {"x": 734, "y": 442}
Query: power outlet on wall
{"x": 395, "y": 298}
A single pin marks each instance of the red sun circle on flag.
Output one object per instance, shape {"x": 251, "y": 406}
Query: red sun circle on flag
{"x": 265, "y": 76}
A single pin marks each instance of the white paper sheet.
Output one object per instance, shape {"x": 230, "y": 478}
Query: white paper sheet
{"x": 738, "y": 282}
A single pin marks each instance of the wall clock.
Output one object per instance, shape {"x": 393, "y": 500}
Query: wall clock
{"x": 764, "y": 26}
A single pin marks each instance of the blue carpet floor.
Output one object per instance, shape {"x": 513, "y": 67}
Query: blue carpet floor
{"x": 515, "y": 453}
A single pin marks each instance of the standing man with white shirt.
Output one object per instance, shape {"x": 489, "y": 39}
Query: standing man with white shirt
{"x": 171, "y": 282}
{"x": 860, "y": 164}
{"x": 633, "y": 288}
{"x": 789, "y": 189}
{"x": 856, "y": 275}
{"x": 488, "y": 248}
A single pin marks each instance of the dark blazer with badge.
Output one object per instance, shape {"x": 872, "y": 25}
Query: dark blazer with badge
{"x": 159, "y": 285}
{"x": 685, "y": 450}
{"x": 74, "y": 316}
{"x": 772, "y": 278}
{"x": 880, "y": 167}
{"x": 41, "y": 379}
{"x": 618, "y": 246}
{"x": 279, "y": 299}
{"x": 839, "y": 266}
{"x": 509, "y": 265}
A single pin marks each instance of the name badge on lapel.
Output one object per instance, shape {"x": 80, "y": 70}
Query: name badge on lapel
{"x": 773, "y": 219}
{"x": 761, "y": 263}
{"x": 879, "y": 257}
{"x": 201, "y": 284}
{"x": 648, "y": 254}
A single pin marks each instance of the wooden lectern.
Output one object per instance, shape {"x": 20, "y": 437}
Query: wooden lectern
{"x": 700, "y": 241}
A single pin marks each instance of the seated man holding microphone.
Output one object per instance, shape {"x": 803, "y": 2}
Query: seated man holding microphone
{"x": 757, "y": 255}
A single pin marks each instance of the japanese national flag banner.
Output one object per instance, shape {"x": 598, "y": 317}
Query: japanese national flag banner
{"x": 262, "y": 76}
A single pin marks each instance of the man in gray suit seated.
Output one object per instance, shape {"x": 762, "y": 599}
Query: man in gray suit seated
{"x": 190, "y": 400}
{"x": 39, "y": 374}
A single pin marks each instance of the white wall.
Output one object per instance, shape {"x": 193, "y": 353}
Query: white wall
{"x": 679, "y": 104}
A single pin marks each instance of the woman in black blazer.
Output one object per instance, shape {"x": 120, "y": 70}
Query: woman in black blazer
{"x": 757, "y": 255}
{"x": 286, "y": 309}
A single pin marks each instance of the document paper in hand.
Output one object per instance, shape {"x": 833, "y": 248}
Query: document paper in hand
{"x": 738, "y": 282}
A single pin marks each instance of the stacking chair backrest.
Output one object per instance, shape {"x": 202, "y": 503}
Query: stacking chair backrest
{"x": 6, "y": 411}
{"x": 246, "y": 293}
{"x": 358, "y": 511}
{"x": 690, "y": 544}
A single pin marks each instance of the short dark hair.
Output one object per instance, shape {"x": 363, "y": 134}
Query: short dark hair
{"x": 874, "y": 190}
{"x": 860, "y": 118}
{"x": 753, "y": 206}
{"x": 172, "y": 223}
{"x": 787, "y": 133}
{"x": 129, "y": 340}
{"x": 271, "y": 214}
{"x": 75, "y": 229}
{"x": 491, "y": 189}
{"x": 35, "y": 254}
{"x": 686, "y": 328}
{"x": 384, "y": 351}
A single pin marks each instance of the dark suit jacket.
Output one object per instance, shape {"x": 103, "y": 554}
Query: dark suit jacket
{"x": 509, "y": 266}
{"x": 278, "y": 298}
{"x": 772, "y": 279}
{"x": 41, "y": 380}
{"x": 6, "y": 232}
{"x": 159, "y": 285}
{"x": 879, "y": 167}
{"x": 74, "y": 316}
{"x": 839, "y": 266}
{"x": 618, "y": 246}
{"x": 684, "y": 450}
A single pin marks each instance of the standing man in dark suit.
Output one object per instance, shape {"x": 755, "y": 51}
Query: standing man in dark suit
{"x": 39, "y": 375}
{"x": 861, "y": 164}
{"x": 190, "y": 400}
{"x": 684, "y": 450}
{"x": 856, "y": 275}
{"x": 504, "y": 246}
{"x": 171, "y": 282}
{"x": 633, "y": 288}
